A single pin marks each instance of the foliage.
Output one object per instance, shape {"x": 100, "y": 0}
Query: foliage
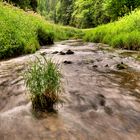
{"x": 43, "y": 79}
{"x": 88, "y": 13}
{"x": 116, "y": 8}
{"x": 24, "y": 4}
{"x": 124, "y": 33}
{"x": 85, "y": 13}
{"x": 22, "y": 32}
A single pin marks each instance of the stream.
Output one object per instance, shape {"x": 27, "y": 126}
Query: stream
{"x": 100, "y": 101}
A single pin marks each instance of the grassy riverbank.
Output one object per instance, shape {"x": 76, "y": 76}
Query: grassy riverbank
{"x": 23, "y": 32}
{"x": 124, "y": 33}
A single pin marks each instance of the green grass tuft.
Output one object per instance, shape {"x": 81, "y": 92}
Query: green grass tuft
{"x": 43, "y": 79}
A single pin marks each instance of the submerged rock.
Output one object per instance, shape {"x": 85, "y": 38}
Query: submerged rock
{"x": 108, "y": 110}
{"x": 121, "y": 66}
{"x": 67, "y": 62}
{"x": 95, "y": 66}
{"x": 62, "y": 53}
{"x": 101, "y": 99}
{"x": 107, "y": 65}
{"x": 43, "y": 53}
{"x": 55, "y": 52}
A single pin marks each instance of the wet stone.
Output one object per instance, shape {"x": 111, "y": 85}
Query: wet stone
{"x": 121, "y": 66}
{"x": 102, "y": 102}
{"x": 107, "y": 65}
{"x": 101, "y": 96}
{"x": 43, "y": 53}
{"x": 90, "y": 61}
{"x": 55, "y": 52}
{"x": 67, "y": 62}
{"x": 101, "y": 99}
{"x": 95, "y": 66}
{"x": 108, "y": 110}
{"x": 62, "y": 53}
{"x": 69, "y": 52}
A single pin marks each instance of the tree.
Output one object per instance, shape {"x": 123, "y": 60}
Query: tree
{"x": 117, "y": 8}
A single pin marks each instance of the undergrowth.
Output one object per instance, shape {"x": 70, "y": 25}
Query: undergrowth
{"x": 23, "y": 32}
{"x": 124, "y": 33}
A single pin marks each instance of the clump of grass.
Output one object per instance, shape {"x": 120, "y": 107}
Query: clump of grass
{"x": 43, "y": 79}
{"x": 124, "y": 33}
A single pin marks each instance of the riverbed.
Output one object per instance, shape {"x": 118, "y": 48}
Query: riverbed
{"x": 100, "y": 101}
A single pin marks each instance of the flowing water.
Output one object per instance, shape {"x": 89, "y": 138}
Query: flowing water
{"x": 101, "y": 102}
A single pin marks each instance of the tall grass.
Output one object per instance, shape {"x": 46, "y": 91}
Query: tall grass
{"x": 43, "y": 79}
{"x": 21, "y": 32}
{"x": 124, "y": 33}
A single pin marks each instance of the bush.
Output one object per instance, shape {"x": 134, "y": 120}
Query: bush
{"x": 43, "y": 79}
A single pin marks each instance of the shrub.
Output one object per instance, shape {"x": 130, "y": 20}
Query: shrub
{"x": 43, "y": 79}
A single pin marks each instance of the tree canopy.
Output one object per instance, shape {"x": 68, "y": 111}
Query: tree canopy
{"x": 80, "y": 13}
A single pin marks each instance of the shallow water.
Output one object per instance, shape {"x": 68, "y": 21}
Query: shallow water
{"x": 100, "y": 101}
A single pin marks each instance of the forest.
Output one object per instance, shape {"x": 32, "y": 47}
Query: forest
{"x": 86, "y": 13}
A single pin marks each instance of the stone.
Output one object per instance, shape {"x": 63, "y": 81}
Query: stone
{"x": 107, "y": 65}
{"x": 94, "y": 66}
{"x": 43, "y": 53}
{"x": 101, "y": 99}
{"x": 67, "y": 62}
{"x": 55, "y": 52}
{"x": 62, "y": 53}
{"x": 108, "y": 110}
{"x": 69, "y": 52}
{"x": 121, "y": 66}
